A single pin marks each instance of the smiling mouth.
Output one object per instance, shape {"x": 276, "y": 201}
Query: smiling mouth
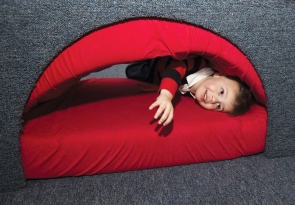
{"x": 205, "y": 96}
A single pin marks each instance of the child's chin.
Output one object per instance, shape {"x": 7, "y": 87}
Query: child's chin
{"x": 198, "y": 102}
{"x": 202, "y": 105}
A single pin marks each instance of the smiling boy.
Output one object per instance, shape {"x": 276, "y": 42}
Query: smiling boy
{"x": 211, "y": 90}
{"x": 216, "y": 92}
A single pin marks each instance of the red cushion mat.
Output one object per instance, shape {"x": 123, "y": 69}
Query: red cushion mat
{"x": 104, "y": 125}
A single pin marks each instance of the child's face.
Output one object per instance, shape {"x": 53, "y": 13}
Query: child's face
{"x": 216, "y": 92}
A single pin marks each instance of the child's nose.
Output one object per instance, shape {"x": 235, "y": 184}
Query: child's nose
{"x": 213, "y": 99}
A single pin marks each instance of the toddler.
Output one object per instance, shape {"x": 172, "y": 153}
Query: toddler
{"x": 211, "y": 90}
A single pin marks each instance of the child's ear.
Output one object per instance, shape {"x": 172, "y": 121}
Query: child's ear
{"x": 218, "y": 74}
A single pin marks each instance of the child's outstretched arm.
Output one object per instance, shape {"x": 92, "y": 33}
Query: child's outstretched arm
{"x": 165, "y": 107}
{"x": 171, "y": 77}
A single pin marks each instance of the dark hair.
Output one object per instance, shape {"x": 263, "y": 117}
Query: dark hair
{"x": 244, "y": 98}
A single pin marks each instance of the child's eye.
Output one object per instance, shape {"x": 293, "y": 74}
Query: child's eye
{"x": 218, "y": 106}
{"x": 221, "y": 91}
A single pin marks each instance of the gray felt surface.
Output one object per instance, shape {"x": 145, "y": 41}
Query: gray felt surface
{"x": 32, "y": 33}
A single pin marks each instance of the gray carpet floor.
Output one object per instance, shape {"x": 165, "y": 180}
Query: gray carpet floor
{"x": 247, "y": 180}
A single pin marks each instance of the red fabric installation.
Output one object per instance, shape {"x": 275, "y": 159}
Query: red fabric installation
{"x": 104, "y": 125}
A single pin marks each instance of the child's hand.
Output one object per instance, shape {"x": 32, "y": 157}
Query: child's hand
{"x": 165, "y": 110}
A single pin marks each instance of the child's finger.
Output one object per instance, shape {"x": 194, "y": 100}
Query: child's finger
{"x": 169, "y": 119}
{"x": 160, "y": 113}
{"x": 152, "y": 106}
{"x": 164, "y": 116}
